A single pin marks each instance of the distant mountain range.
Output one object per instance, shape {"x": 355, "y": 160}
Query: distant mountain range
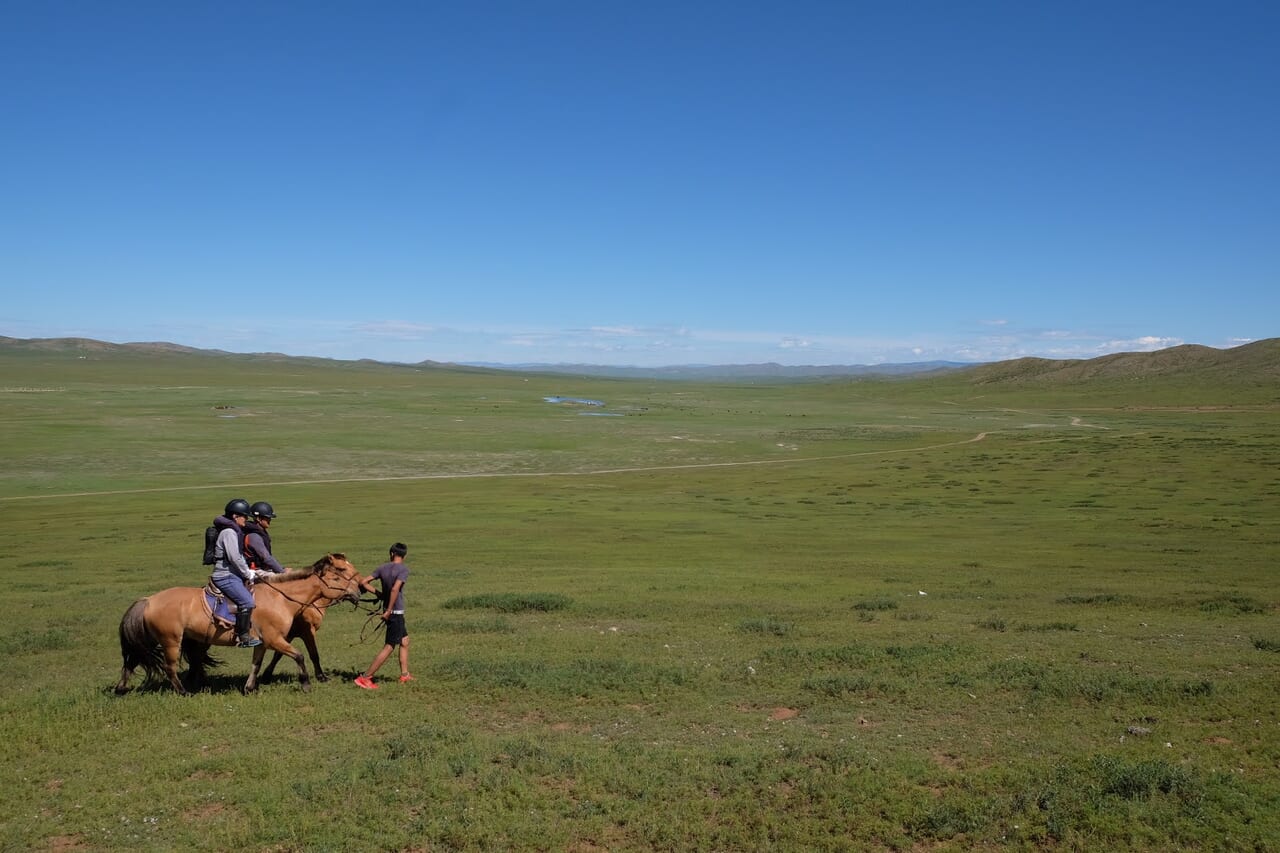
{"x": 709, "y": 372}
{"x": 1253, "y": 363}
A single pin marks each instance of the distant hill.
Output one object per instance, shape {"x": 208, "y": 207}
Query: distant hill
{"x": 88, "y": 345}
{"x": 1249, "y": 363}
{"x": 714, "y": 372}
{"x": 1257, "y": 363}
{"x": 703, "y": 372}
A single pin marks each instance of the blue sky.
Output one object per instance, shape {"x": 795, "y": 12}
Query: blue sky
{"x": 646, "y": 183}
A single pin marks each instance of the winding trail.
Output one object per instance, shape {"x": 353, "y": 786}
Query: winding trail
{"x": 496, "y": 474}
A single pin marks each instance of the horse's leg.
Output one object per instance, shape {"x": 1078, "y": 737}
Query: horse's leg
{"x": 197, "y": 652}
{"x": 271, "y": 666}
{"x": 275, "y": 657}
{"x": 304, "y": 681}
{"x": 252, "y": 684}
{"x": 309, "y": 638}
{"x": 172, "y": 654}
{"x": 280, "y": 644}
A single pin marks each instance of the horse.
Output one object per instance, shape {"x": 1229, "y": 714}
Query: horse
{"x": 305, "y": 625}
{"x": 156, "y": 632}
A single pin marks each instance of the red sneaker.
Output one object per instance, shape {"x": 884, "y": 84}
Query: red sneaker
{"x": 405, "y": 678}
{"x": 366, "y": 683}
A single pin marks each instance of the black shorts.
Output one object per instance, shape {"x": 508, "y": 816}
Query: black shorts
{"x": 396, "y": 630}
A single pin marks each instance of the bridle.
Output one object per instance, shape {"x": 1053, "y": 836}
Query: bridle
{"x": 324, "y": 602}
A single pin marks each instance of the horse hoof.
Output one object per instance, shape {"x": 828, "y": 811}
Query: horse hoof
{"x": 322, "y": 678}
{"x": 306, "y": 687}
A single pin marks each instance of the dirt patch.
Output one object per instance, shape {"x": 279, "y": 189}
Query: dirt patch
{"x": 66, "y": 842}
{"x": 780, "y": 714}
{"x": 1218, "y": 739}
{"x": 208, "y": 811}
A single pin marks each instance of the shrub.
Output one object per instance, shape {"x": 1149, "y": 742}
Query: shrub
{"x": 767, "y": 625}
{"x": 1232, "y": 604}
{"x": 1049, "y": 626}
{"x": 1098, "y": 598}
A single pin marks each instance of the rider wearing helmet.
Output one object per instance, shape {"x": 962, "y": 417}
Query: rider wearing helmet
{"x": 257, "y": 539}
{"x": 231, "y": 574}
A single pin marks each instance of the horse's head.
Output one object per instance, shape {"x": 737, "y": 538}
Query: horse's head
{"x": 342, "y": 579}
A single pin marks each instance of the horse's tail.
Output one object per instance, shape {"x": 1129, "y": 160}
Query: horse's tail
{"x": 138, "y": 646}
{"x": 197, "y": 655}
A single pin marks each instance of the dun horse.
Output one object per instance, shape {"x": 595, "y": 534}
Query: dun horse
{"x": 158, "y": 631}
{"x": 305, "y": 625}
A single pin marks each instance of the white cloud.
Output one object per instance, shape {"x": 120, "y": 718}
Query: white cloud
{"x": 1146, "y": 343}
{"x": 396, "y": 329}
{"x": 617, "y": 331}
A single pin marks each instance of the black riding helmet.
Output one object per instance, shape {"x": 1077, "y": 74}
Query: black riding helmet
{"x": 262, "y": 509}
{"x": 239, "y": 506}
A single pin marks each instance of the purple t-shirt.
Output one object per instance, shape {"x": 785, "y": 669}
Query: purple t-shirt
{"x": 389, "y": 573}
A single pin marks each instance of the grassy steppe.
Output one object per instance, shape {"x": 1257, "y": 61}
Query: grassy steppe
{"x": 846, "y": 616}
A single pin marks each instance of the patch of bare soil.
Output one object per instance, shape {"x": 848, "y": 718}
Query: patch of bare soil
{"x": 780, "y": 714}
{"x": 66, "y": 842}
{"x": 208, "y": 811}
{"x": 947, "y": 761}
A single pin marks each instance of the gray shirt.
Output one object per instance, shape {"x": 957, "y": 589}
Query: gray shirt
{"x": 227, "y": 559}
{"x": 389, "y": 573}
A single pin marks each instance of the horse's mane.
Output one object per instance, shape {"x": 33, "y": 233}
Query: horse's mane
{"x": 301, "y": 574}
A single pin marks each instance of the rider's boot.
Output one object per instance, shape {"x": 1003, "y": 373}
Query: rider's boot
{"x": 244, "y": 636}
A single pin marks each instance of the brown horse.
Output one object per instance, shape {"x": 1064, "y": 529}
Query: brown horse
{"x": 305, "y": 625}
{"x": 158, "y": 631}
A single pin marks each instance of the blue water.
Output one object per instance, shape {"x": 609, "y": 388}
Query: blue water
{"x": 579, "y": 400}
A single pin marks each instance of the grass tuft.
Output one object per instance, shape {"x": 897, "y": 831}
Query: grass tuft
{"x": 767, "y": 625}
{"x": 1098, "y": 598}
{"x": 1232, "y": 605}
{"x": 1048, "y": 626}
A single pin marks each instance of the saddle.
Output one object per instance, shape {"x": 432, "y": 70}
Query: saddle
{"x": 221, "y": 610}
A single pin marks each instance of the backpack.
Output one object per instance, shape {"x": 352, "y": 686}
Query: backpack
{"x": 210, "y": 544}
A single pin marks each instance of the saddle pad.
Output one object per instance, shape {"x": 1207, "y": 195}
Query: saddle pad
{"x": 220, "y": 608}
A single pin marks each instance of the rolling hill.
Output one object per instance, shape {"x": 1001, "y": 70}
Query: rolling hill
{"x": 1252, "y": 364}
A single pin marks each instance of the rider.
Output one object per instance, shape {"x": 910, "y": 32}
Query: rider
{"x": 257, "y": 539}
{"x": 231, "y": 574}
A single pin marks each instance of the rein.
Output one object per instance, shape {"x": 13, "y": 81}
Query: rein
{"x": 315, "y": 602}
{"x": 365, "y": 634}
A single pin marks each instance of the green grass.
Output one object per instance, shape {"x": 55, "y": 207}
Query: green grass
{"x": 807, "y": 616}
